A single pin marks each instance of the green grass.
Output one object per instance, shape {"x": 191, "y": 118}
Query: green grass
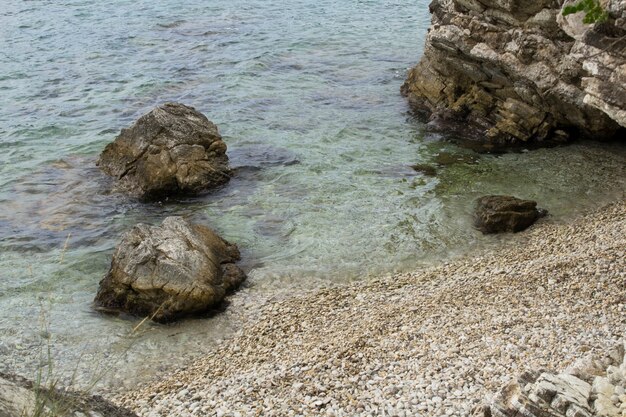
{"x": 594, "y": 13}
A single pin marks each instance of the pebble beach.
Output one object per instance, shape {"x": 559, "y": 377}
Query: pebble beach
{"x": 434, "y": 342}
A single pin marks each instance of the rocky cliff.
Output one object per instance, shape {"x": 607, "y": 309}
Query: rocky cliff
{"x": 509, "y": 72}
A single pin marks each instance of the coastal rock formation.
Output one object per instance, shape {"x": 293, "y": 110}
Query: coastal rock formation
{"x": 510, "y": 72}
{"x": 593, "y": 387}
{"x": 19, "y": 398}
{"x": 173, "y": 149}
{"x": 169, "y": 271}
{"x": 501, "y": 213}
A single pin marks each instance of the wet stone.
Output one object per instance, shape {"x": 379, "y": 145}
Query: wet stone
{"x": 174, "y": 149}
{"x": 498, "y": 213}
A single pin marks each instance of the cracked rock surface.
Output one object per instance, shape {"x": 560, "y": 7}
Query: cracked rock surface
{"x": 168, "y": 271}
{"x": 511, "y": 72}
{"x": 173, "y": 149}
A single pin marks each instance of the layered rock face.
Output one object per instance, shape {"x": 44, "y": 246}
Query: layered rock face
{"x": 173, "y": 149}
{"x": 513, "y": 72}
{"x": 169, "y": 271}
{"x": 591, "y": 387}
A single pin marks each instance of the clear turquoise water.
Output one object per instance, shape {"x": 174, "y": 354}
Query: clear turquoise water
{"x": 306, "y": 94}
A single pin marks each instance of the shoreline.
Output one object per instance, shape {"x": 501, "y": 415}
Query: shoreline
{"x": 436, "y": 341}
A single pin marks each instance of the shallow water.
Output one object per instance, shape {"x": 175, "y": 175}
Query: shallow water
{"x": 306, "y": 95}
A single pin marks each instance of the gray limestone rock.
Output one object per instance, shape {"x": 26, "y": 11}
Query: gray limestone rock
{"x": 169, "y": 271}
{"x": 542, "y": 394}
{"x": 173, "y": 149}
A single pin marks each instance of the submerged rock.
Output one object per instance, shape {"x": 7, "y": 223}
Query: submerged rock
{"x": 448, "y": 158}
{"x": 426, "y": 169}
{"x": 500, "y": 213}
{"x": 173, "y": 149}
{"x": 257, "y": 156}
{"x": 169, "y": 271}
{"x": 19, "y": 397}
{"x": 515, "y": 72}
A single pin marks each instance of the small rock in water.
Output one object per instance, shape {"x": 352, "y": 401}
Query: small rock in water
{"x": 500, "y": 213}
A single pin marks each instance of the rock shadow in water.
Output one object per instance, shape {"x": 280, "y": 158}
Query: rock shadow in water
{"x": 66, "y": 197}
{"x": 69, "y": 201}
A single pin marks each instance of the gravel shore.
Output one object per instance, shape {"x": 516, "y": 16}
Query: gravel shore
{"x": 434, "y": 342}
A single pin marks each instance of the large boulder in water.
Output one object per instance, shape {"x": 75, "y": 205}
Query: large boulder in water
{"x": 173, "y": 149}
{"x": 169, "y": 271}
{"x": 501, "y": 213}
